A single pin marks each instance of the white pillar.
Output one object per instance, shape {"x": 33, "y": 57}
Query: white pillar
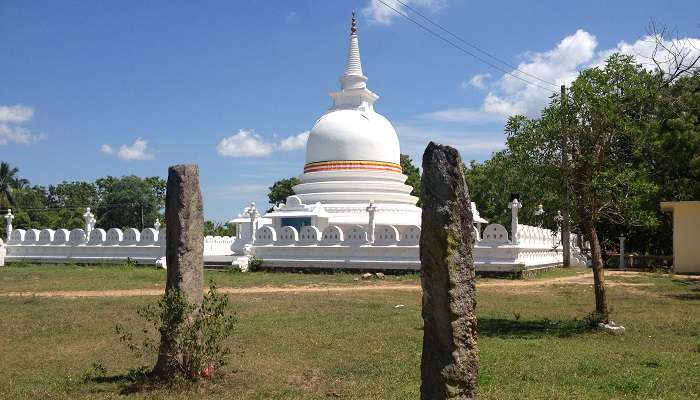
{"x": 156, "y": 225}
{"x": 3, "y": 253}
{"x": 371, "y": 209}
{"x": 8, "y": 223}
{"x": 89, "y": 222}
{"x": 252, "y": 213}
{"x": 559, "y": 220}
{"x": 514, "y": 206}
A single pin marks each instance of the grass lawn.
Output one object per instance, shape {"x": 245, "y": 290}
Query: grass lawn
{"x": 51, "y": 277}
{"x": 357, "y": 345}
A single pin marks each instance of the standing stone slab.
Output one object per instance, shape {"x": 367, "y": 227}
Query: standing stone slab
{"x": 450, "y": 359}
{"x": 184, "y": 247}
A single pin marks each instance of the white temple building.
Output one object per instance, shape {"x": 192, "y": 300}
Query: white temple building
{"x": 351, "y": 210}
{"x": 352, "y": 159}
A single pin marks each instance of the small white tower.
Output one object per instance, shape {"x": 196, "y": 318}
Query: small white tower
{"x": 9, "y": 217}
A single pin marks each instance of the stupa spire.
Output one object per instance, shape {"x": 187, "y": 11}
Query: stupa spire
{"x": 353, "y": 78}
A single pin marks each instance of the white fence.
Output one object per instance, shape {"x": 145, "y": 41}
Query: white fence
{"x": 100, "y": 246}
{"x": 396, "y": 247}
{"x": 346, "y": 247}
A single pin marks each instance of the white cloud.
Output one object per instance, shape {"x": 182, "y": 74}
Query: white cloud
{"x": 643, "y": 49}
{"x": 472, "y": 145}
{"x": 136, "y": 151}
{"x": 463, "y": 114}
{"x": 11, "y": 129}
{"x": 380, "y": 14}
{"x": 107, "y": 149}
{"x": 244, "y": 144}
{"x": 477, "y": 81}
{"x": 294, "y": 142}
{"x": 560, "y": 65}
{"x": 16, "y": 114}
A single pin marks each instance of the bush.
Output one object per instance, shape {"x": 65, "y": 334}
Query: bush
{"x": 195, "y": 346}
{"x": 254, "y": 264}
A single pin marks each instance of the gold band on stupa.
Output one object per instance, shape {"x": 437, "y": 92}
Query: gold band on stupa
{"x": 354, "y": 165}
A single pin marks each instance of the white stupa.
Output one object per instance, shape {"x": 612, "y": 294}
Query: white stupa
{"x": 352, "y": 160}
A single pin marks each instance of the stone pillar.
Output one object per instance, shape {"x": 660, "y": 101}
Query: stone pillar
{"x": 8, "y": 223}
{"x": 371, "y": 209}
{"x": 514, "y": 206}
{"x": 156, "y": 225}
{"x": 184, "y": 244}
{"x": 450, "y": 358}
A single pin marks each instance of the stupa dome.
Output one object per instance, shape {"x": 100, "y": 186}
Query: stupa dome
{"x": 353, "y": 155}
{"x": 352, "y": 135}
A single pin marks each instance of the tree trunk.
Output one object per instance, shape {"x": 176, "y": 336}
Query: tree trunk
{"x": 589, "y": 231}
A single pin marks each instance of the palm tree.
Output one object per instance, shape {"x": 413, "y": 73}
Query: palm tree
{"x": 9, "y": 181}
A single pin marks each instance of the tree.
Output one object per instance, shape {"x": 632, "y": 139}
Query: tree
{"x": 280, "y": 190}
{"x": 8, "y": 182}
{"x": 413, "y": 174}
{"x": 129, "y": 201}
{"x": 496, "y": 178}
{"x": 214, "y": 228}
{"x": 608, "y": 111}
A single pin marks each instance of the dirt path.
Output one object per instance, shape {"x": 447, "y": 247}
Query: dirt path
{"x": 579, "y": 279}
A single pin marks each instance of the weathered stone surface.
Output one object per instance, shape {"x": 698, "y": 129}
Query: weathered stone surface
{"x": 184, "y": 248}
{"x": 450, "y": 359}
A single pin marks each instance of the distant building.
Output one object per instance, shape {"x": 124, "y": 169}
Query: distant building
{"x": 686, "y": 235}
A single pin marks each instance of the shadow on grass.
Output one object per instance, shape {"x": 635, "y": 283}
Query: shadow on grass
{"x": 531, "y": 329}
{"x": 693, "y": 295}
{"x": 127, "y": 384}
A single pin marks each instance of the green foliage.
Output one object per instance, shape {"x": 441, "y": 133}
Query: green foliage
{"x": 117, "y": 202}
{"x": 413, "y": 174}
{"x": 193, "y": 338}
{"x": 9, "y": 181}
{"x": 214, "y": 228}
{"x": 634, "y": 142}
{"x": 280, "y": 190}
{"x": 254, "y": 264}
{"x": 130, "y": 201}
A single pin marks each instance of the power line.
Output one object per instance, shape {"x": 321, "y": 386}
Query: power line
{"x": 475, "y": 47}
{"x": 462, "y": 49}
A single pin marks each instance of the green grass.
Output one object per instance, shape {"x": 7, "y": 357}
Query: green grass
{"x": 358, "y": 345}
{"x": 48, "y": 277}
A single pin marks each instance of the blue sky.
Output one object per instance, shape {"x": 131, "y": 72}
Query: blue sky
{"x": 91, "y": 89}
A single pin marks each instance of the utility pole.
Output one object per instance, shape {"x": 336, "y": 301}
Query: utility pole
{"x": 565, "y": 228}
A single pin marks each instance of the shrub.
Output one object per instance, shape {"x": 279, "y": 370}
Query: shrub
{"x": 254, "y": 264}
{"x": 194, "y": 345}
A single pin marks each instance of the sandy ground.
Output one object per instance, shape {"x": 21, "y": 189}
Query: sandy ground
{"x": 580, "y": 279}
